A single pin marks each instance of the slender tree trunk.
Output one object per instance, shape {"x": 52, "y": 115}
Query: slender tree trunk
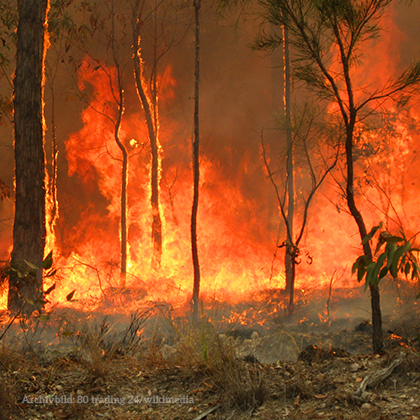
{"x": 124, "y": 166}
{"x": 152, "y": 127}
{"x": 53, "y": 176}
{"x": 124, "y": 182}
{"x": 29, "y": 226}
{"x": 289, "y": 259}
{"x": 374, "y": 291}
{"x": 196, "y": 163}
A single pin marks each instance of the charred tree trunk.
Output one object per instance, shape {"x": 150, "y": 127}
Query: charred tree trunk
{"x": 52, "y": 189}
{"x": 377, "y": 337}
{"x": 152, "y": 127}
{"x": 124, "y": 165}
{"x": 196, "y": 163}
{"x": 289, "y": 259}
{"x": 124, "y": 179}
{"x": 29, "y": 225}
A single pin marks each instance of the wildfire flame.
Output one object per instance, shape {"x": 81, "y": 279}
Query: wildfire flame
{"x": 236, "y": 242}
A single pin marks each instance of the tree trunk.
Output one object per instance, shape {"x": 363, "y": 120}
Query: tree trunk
{"x": 289, "y": 259}
{"x": 29, "y": 225}
{"x": 377, "y": 337}
{"x": 290, "y": 263}
{"x": 196, "y": 164}
{"x": 124, "y": 182}
{"x": 152, "y": 127}
{"x": 121, "y": 146}
{"x": 52, "y": 187}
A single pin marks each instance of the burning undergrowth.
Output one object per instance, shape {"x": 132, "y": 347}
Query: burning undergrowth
{"x": 84, "y": 364}
{"x": 237, "y": 361}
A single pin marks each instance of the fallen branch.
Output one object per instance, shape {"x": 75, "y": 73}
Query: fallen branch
{"x": 376, "y": 378}
{"x": 206, "y": 413}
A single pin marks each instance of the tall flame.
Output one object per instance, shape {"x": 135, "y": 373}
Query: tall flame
{"x": 237, "y": 228}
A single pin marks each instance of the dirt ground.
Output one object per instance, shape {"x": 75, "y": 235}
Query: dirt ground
{"x": 131, "y": 390}
{"x": 73, "y": 365}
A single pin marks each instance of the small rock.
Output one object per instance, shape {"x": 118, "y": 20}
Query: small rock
{"x": 79, "y": 392}
{"x": 354, "y": 367}
{"x": 366, "y": 406}
{"x": 168, "y": 352}
{"x": 59, "y": 388}
{"x": 99, "y": 382}
{"x": 50, "y": 414}
{"x": 254, "y": 335}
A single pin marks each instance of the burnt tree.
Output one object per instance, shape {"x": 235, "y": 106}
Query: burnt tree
{"x": 25, "y": 283}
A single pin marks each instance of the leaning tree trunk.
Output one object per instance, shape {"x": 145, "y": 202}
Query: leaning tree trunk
{"x": 289, "y": 259}
{"x": 374, "y": 290}
{"x": 29, "y": 225}
{"x": 196, "y": 163}
{"x": 152, "y": 127}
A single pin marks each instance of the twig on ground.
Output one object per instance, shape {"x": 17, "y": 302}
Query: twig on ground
{"x": 204, "y": 414}
{"x": 376, "y": 378}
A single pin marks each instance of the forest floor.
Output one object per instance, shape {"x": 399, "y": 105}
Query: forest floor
{"x": 77, "y": 366}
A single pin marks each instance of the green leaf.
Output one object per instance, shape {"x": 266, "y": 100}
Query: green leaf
{"x": 378, "y": 266}
{"x": 51, "y": 273}
{"x": 49, "y": 290}
{"x": 31, "y": 265}
{"x": 415, "y": 272}
{"x": 361, "y": 273}
{"x": 383, "y": 272}
{"x": 407, "y": 268}
{"x": 48, "y": 261}
{"x": 392, "y": 249}
{"x": 393, "y": 239}
{"x": 398, "y": 254}
{"x": 356, "y": 265}
{"x": 369, "y": 236}
{"x": 69, "y": 297}
{"x": 381, "y": 241}
{"x": 359, "y": 263}
{"x": 44, "y": 317}
{"x": 369, "y": 272}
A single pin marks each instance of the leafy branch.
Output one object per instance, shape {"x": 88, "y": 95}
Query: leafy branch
{"x": 397, "y": 256}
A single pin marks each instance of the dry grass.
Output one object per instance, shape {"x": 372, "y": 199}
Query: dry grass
{"x": 240, "y": 383}
{"x": 106, "y": 359}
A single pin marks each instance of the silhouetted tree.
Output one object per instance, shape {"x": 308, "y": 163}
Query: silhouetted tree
{"x": 25, "y": 289}
{"x": 196, "y": 162}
